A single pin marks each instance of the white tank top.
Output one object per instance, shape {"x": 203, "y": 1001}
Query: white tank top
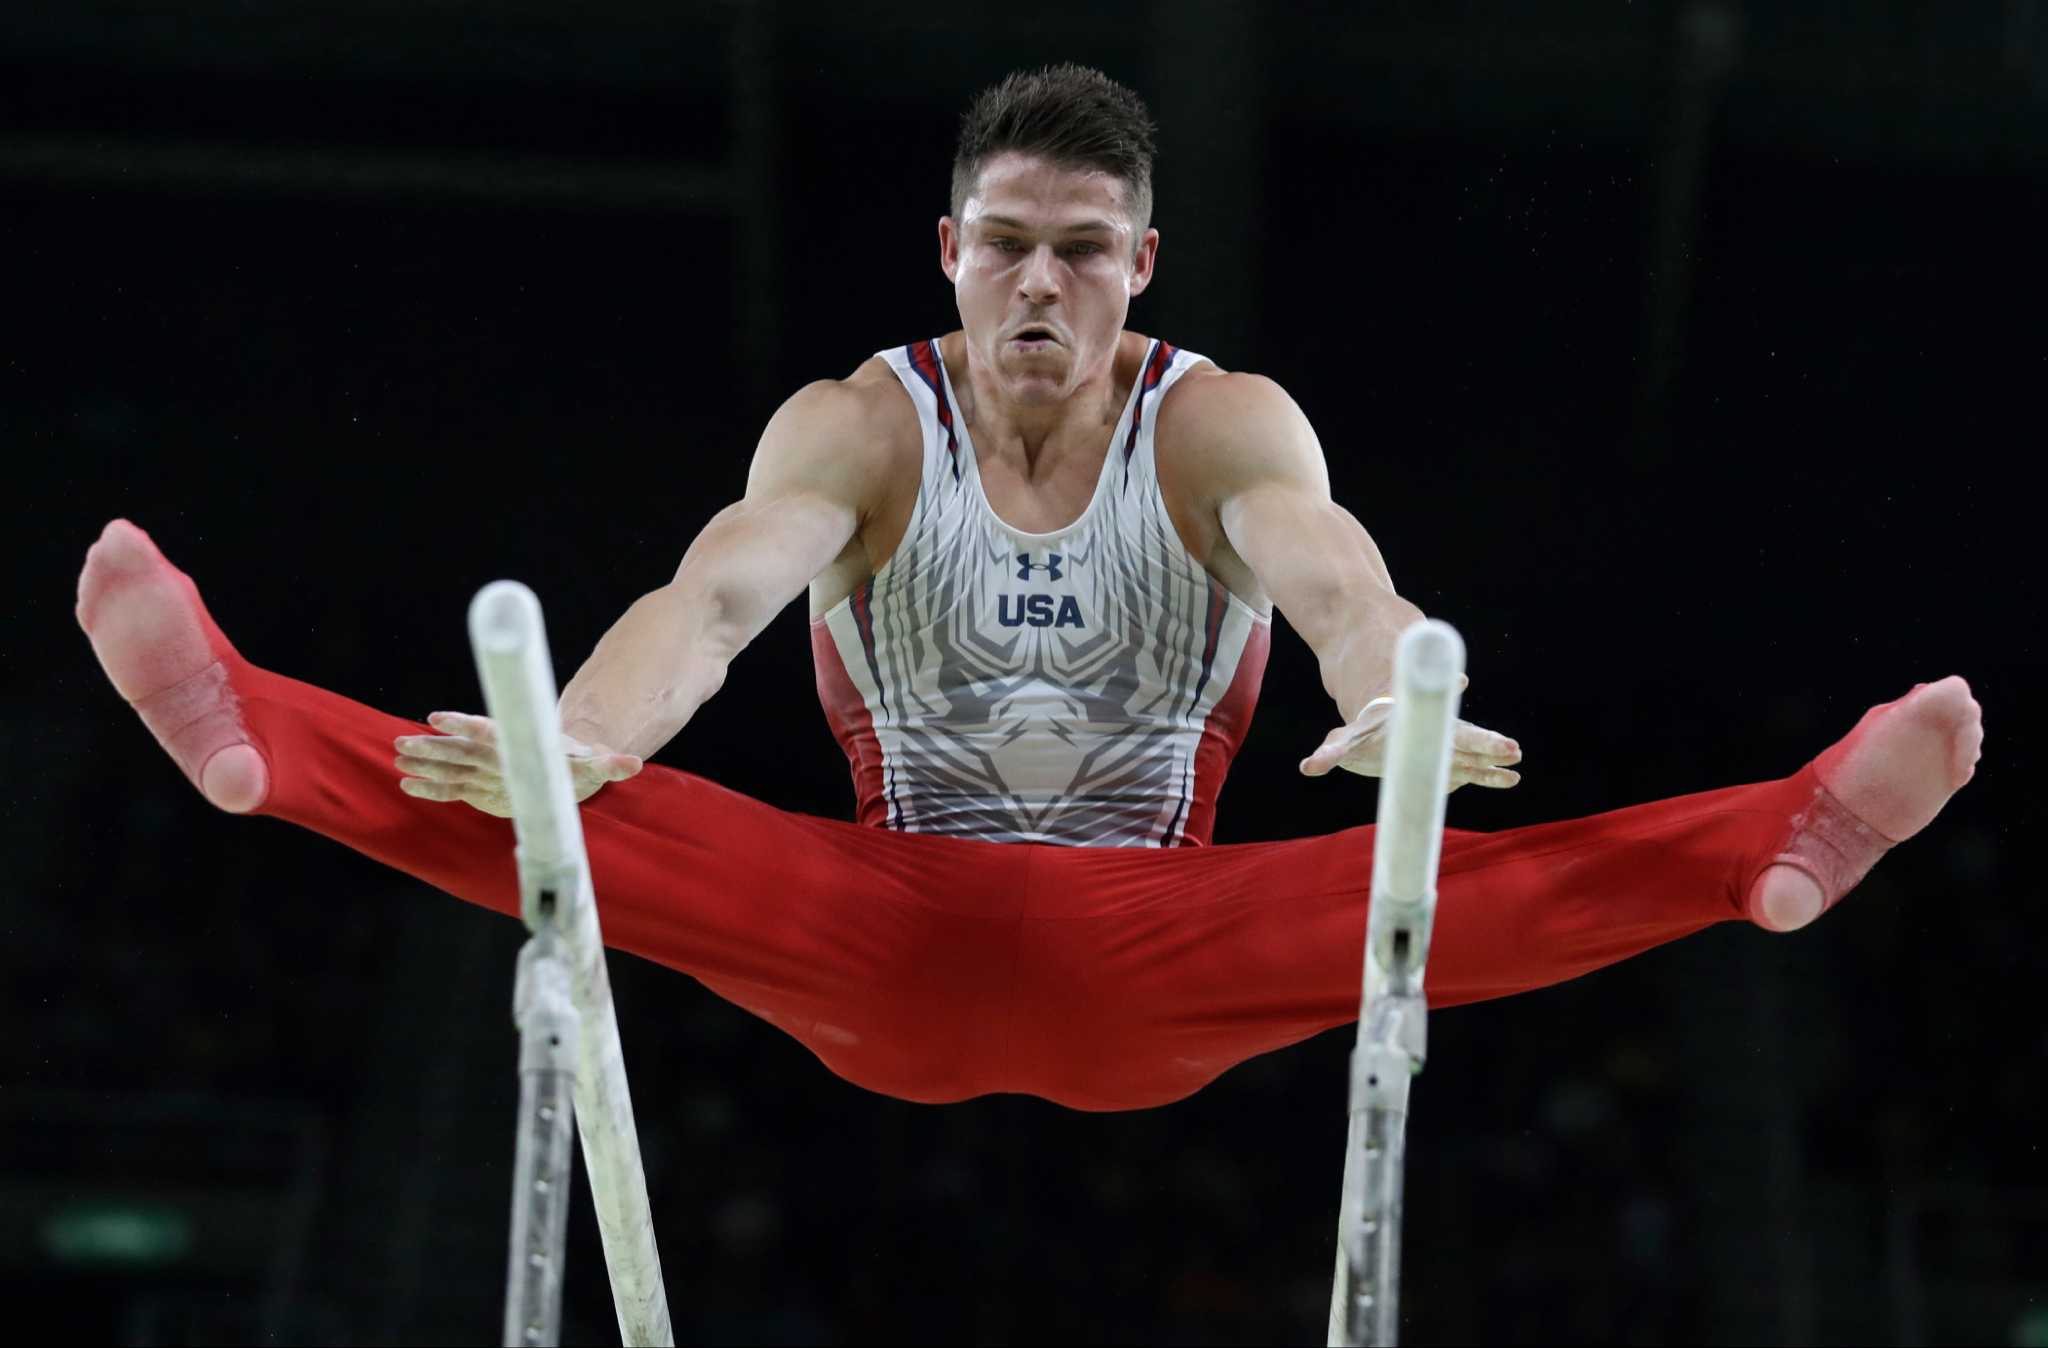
{"x": 1089, "y": 686}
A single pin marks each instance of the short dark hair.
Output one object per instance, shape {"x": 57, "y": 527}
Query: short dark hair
{"x": 1069, "y": 114}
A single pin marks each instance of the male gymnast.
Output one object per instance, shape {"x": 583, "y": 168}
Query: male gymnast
{"x": 1042, "y": 554}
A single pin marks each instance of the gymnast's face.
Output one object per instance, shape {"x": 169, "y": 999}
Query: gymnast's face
{"x": 1044, "y": 259}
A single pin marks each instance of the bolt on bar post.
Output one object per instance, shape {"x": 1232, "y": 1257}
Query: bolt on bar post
{"x": 1392, "y": 1020}
{"x": 512, "y": 658}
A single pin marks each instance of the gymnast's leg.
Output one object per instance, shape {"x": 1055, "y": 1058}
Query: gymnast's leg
{"x": 936, "y": 969}
{"x": 887, "y": 955}
{"x": 1145, "y": 976}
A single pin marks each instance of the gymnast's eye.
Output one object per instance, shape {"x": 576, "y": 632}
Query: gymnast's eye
{"x": 1084, "y": 249}
{"x": 1005, "y": 244}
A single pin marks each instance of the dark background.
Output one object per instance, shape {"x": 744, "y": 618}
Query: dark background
{"x": 1688, "y": 357}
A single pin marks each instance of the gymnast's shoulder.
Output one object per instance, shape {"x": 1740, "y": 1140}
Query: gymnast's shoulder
{"x": 1218, "y": 417}
{"x": 863, "y": 419}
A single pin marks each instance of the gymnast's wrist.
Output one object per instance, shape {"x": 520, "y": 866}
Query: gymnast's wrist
{"x": 589, "y": 733}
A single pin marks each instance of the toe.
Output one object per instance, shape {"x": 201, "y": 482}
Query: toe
{"x": 1953, "y": 689}
{"x": 1955, "y": 716}
{"x": 122, "y": 539}
{"x": 122, "y": 547}
{"x": 122, "y": 551}
{"x": 1949, "y": 703}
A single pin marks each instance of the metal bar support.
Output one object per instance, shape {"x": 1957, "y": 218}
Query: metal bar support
{"x": 547, "y": 1021}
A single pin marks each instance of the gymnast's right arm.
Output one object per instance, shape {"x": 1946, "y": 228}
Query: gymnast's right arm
{"x": 815, "y": 478}
{"x": 808, "y": 492}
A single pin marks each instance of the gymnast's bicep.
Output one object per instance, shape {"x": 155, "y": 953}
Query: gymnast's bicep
{"x": 814, "y": 478}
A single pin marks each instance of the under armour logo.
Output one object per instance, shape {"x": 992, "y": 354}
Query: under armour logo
{"x": 1025, "y": 566}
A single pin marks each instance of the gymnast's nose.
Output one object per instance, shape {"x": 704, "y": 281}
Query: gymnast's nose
{"x": 1039, "y": 282}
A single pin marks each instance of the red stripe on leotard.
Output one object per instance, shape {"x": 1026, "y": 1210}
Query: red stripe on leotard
{"x": 1223, "y": 735}
{"x": 846, "y": 711}
{"x": 1155, "y": 370}
{"x": 924, "y": 358}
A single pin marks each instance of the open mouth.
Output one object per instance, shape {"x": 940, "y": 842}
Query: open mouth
{"x": 1034, "y": 336}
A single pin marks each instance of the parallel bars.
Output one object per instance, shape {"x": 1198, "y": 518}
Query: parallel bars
{"x": 564, "y": 1008}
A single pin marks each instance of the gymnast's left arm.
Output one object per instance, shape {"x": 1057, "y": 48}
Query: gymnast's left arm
{"x": 1254, "y": 461}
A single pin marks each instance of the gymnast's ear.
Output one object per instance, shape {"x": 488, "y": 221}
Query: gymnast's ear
{"x": 1142, "y": 262}
{"x": 949, "y": 248}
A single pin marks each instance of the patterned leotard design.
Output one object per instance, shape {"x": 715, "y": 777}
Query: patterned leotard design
{"x": 1089, "y": 686}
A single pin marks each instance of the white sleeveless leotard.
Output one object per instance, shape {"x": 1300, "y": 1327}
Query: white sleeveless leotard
{"x": 1089, "y": 686}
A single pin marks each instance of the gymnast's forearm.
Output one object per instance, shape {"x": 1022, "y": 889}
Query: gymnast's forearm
{"x": 650, "y": 673}
{"x": 669, "y": 653}
{"x": 1357, "y": 652}
{"x": 1321, "y": 568}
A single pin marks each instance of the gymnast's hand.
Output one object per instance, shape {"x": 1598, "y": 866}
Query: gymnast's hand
{"x": 1477, "y": 754}
{"x": 461, "y": 763}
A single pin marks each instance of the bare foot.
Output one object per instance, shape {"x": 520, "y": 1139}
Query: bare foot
{"x": 164, "y": 655}
{"x": 1882, "y": 783}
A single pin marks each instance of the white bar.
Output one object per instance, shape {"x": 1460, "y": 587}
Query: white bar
{"x": 510, "y": 642}
{"x": 1429, "y": 661}
{"x": 512, "y": 659}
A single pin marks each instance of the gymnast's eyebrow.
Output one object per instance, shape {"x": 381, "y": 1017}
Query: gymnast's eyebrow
{"x": 1079, "y": 227}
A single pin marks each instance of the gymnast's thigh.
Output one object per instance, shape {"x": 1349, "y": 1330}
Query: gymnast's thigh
{"x": 1143, "y": 973}
{"x": 857, "y": 940}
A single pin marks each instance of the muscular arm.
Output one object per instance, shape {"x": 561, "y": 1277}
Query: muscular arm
{"x": 1256, "y": 463}
{"x": 816, "y": 475}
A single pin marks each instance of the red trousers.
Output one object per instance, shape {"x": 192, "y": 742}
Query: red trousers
{"x": 936, "y": 969}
